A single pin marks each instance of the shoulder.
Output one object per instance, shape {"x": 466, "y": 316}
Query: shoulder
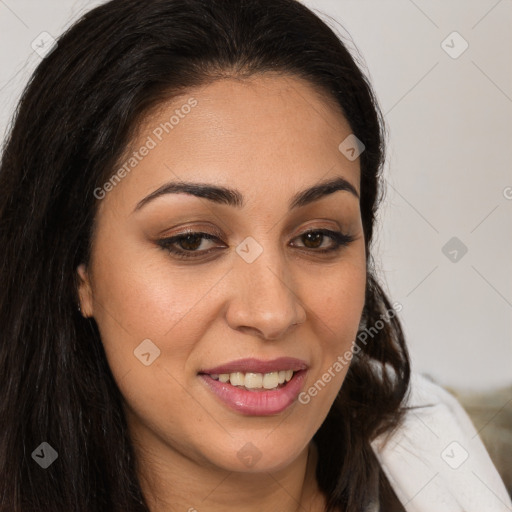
{"x": 435, "y": 461}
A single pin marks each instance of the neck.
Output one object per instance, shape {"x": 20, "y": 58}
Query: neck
{"x": 188, "y": 486}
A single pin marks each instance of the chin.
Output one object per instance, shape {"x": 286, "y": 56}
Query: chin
{"x": 259, "y": 453}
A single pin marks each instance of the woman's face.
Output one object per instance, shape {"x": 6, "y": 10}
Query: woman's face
{"x": 255, "y": 298}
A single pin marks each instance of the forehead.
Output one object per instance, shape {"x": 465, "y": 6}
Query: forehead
{"x": 263, "y": 134}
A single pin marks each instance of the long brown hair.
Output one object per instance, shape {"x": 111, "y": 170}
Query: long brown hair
{"x": 74, "y": 121}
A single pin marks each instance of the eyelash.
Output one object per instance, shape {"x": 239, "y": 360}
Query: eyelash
{"x": 340, "y": 240}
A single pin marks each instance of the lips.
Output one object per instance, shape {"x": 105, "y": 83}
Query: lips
{"x": 252, "y": 365}
{"x": 257, "y": 387}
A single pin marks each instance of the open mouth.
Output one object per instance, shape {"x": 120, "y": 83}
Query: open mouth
{"x": 251, "y": 381}
{"x": 256, "y": 394}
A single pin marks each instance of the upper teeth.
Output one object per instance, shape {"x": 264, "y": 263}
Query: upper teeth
{"x": 255, "y": 380}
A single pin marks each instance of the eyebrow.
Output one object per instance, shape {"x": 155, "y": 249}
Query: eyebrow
{"x": 232, "y": 197}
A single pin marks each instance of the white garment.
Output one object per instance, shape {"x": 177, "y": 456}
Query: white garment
{"x": 436, "y": 462}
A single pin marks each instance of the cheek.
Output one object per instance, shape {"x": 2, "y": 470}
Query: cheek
{"x": 335, "y": 305}
{"x": 139, "y": 296}
{"x": 336, "y": 298}
{"x": 145, "y": 293}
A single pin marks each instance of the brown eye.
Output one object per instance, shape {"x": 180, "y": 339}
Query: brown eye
{"x": 190, "y": 242}
{"x": 186, "y": 245}
{"x": 313, "y": 239}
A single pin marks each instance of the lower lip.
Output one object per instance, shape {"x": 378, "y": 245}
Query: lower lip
{"x": 257, "y": 403}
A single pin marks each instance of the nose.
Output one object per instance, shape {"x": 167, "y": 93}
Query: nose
{"x": 264, "y": 299}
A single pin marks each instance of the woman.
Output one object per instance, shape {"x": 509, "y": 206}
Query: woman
{"x": 191, "y": 318}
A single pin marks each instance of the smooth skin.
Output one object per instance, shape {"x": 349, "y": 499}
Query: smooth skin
{"x": 269, "y": 137}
